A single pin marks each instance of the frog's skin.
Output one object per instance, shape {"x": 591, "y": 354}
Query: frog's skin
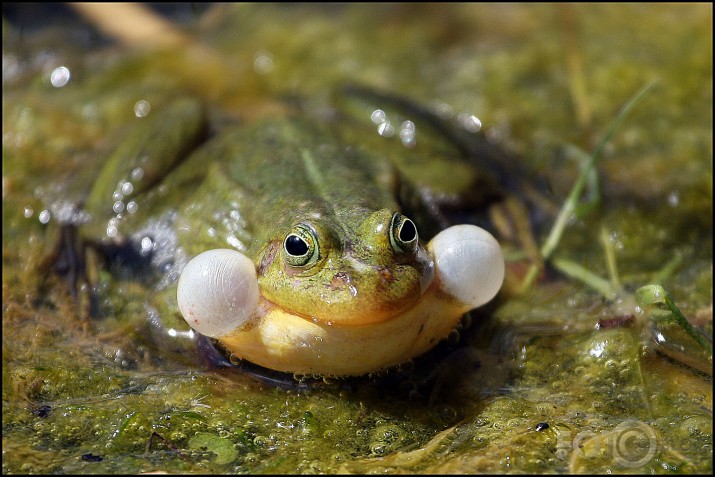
{"x": 218, "y": 296}
{"x": 325, "y": 273}
{"x": 344, "y": 285}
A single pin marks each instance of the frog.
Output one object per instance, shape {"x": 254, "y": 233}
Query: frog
{"x": 292, "y": 244}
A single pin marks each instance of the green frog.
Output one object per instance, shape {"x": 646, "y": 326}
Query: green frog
{"x": 292, "y": 241}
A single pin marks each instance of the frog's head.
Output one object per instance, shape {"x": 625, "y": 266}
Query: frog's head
{"x": 326, "y": 300}
{"x": 323, "y": 272}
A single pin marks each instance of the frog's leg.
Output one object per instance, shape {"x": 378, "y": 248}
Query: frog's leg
{"x": 154, "y": 147}
{"x": 67, "y": 259}
{"x": 508, "y": 195}
{"x": 507, "y": 169}
{"x": 441, "y": 175}
{"x": 510, "y": 174}
{"x": 143, "y": 157}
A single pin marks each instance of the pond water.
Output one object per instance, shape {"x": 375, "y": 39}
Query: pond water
{"x": 567, "y": 375}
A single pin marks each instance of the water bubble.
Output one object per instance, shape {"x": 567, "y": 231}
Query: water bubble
{"x": 28, "y": 212}
{"x": 673, "y": 199}
{"x": 20, "y": 139}
{"x": 118, "y": 206}
{"x": 147, "y": 244}
{"x": 212, "y": 232}
{"x": 407, "y": 134}
{"x": 470, "y": 122}
{"x": 127, "y": 188}
{"x": 90, "y": 112}
{"x": 493, "y": 135}
{"x": 378, "y": 116}
{"x": 234, "y": 242}
{"x": 408, "y": 141}
{"x": 137, "y": 174}
{"x": 44, "y": 216}
{"x": 597, "y": 349}
{"x": 11, "y": 67}
{"x": 235, "y": 215}
{"x": 132, "y": 207}
{"x": 60, "y": 76}
{"x": 386, "y": 130}
{"x": 263, "y": 62}
{"x": 117, "y": 195}
{"x": 142, "y": 108}
{"x": 8, "y": 138}
{"x": 443, "y": 110}
{"x": 111, "y": 231}
{"x": 67, "y": 212}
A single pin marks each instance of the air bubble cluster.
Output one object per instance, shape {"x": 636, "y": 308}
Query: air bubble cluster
{"x": 386, "y": 129}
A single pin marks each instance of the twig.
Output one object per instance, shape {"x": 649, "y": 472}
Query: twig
{"x": 132, "y": 24}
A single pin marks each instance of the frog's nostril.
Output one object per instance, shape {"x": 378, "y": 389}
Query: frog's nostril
{"x": 340, "y": 280}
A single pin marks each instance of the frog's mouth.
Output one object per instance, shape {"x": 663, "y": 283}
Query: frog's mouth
{"x": 218, "y": 292}
{"x": 351, "y": 292}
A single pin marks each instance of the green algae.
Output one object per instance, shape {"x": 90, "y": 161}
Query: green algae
{"x": 75, "y": 387}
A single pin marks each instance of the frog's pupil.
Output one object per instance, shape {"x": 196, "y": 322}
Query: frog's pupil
{"x": 296, "y": 246}
{"x": 408, "y": 232}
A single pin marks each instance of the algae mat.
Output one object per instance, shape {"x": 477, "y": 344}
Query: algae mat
{"x": 554, "y": 378}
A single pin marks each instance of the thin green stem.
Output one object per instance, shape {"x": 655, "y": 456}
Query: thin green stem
{"x": 610, "y": 253}
{"x": 657, "y": 295}
{"x": 572, "y": 200}
{"x": 667, "y": 269}
{"x": 578, "y": 272}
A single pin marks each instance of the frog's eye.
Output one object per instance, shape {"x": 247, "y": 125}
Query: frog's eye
{"x": 301, "y": 246}
{"x": 403, "y": 234}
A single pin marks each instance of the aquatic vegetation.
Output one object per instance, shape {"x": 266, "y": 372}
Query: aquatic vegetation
{"x": 553, "y": 379}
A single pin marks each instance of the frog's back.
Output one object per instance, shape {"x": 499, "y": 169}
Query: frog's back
{"x": 289, "y": 168}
